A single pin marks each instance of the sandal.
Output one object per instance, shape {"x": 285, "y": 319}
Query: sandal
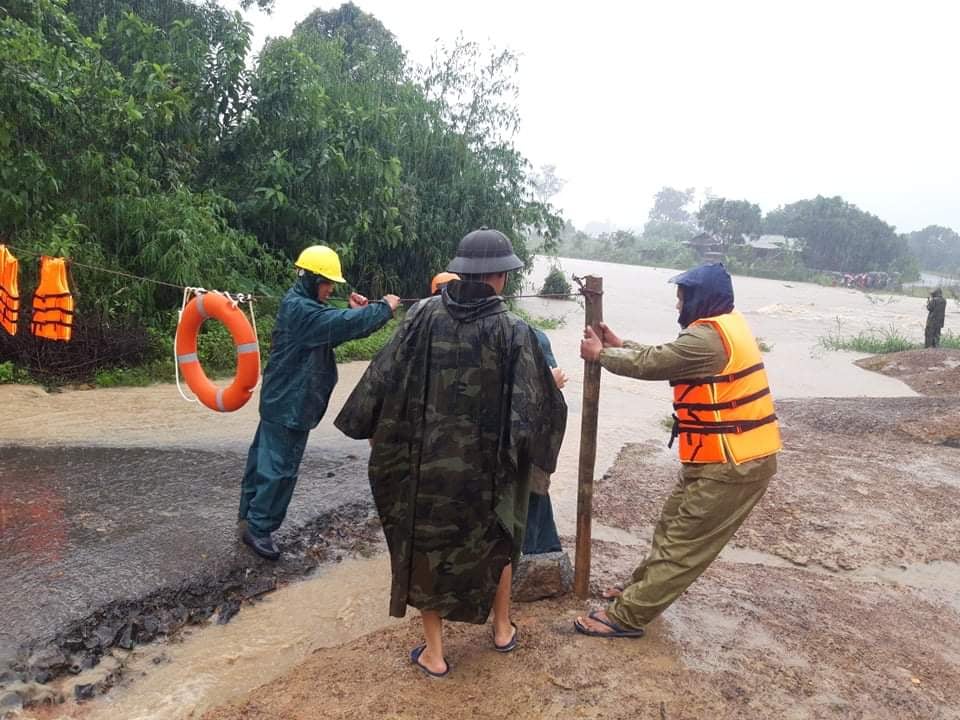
{"x": 415, "y": 659}
{"x": 510, "y": 646}
{"x": 618, "y": 630}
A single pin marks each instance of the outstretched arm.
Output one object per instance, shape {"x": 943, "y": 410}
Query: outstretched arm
{"x": 696, "y": 352}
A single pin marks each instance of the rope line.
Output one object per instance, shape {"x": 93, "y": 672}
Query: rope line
{"x": 250, "y": 296}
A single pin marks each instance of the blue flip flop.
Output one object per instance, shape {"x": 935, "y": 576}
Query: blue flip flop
{"x": 415, "y": 659}
{"x": 510, "y": 646}
{"x": 618, "y": 630}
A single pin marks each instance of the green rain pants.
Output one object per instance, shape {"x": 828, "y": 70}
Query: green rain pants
{"x": 696, "y": 522}
{"x": 270, "y": 476}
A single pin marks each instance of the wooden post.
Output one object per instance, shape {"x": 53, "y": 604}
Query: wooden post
{"x": 593, "y": 292}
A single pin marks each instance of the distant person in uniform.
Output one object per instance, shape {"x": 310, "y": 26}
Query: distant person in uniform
{"x": 936, "y": 309}
{"x": 728, "y": 437}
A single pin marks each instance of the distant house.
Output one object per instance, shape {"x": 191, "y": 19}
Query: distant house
{"x": 707, "y": 246}
{"x": 712, "y": 247}
{"x": 769, "y": 245}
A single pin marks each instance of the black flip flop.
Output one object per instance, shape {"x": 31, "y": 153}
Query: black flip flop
{"x": 415, "y": 659}
{"x": 510, "y": 646}
{"x": 618, "y": 630}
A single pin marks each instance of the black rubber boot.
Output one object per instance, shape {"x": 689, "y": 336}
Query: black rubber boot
{"x": 262, "y": 546}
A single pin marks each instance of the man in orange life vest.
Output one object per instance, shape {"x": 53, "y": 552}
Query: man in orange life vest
{"x": 728, "y": 439}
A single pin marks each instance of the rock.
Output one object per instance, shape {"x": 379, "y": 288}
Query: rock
{"x": 200, "y": 615}
{"x": 84, "y": 692}
{"x": 43, "y": 676}
{"x": 8, "y": 677}
{"x": 542, "y": 576}
{"x": 10, "y": 702}
{"x": 105, "y": 635}
{"x": 33, "y": 693}
{"x": 149, "y": 625}
{"x": 48, "y": 658}
{"x": 166, "y": 623}
{"x": 228, "y": 609}
{"x": 259, "y": 586}
{"x": 125, "y": 641}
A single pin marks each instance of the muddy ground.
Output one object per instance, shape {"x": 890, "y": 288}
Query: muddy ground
{"x": 840, "y": 598}
{"x": 929, "y": 372}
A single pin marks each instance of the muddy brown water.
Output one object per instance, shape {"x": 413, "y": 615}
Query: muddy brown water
{"x": 207, "y": 667}
{"x": 217, "y": 664}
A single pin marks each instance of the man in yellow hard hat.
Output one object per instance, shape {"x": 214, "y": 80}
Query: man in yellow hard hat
{"x": 297, "y": 382}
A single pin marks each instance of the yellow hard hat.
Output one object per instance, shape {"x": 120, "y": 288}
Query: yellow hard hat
{"x": 321, "y": 260}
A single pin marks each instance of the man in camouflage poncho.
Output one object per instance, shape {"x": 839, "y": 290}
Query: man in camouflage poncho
{"x": 458, "y": 406}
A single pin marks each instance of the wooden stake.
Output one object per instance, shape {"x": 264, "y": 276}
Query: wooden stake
{"x": 593, "y": 293}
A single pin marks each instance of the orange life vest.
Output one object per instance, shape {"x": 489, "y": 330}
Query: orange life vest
{"x": 9, "y": 290}
{"x": 52, "y": 302}
{"x": 730, "y": 415}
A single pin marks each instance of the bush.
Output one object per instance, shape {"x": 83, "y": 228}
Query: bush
{"x": 8, "y": 373}
{"x": 873, "y": 340}
{"x": 366, "y": 348}
{"x": 537, "y": 321}
{"x": 556, "y": 283}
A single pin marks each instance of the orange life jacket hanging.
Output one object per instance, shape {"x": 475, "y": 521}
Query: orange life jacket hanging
{"x": 52, "y": 302}
{"x": 9, "y": 290}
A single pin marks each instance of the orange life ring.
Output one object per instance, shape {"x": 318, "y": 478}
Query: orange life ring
{"x": 218, "y": 307}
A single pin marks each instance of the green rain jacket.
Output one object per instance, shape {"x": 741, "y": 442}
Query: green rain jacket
{"x": 302, "y": 371}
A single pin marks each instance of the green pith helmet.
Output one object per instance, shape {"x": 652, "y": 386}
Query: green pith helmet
{"x": 484, "y": 252}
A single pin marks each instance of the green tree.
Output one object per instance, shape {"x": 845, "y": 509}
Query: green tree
{"x": 547, "y": 184}
{"x": 837, "y": 235}
{"x": 936, "y": 248}
{"x": 730, "y": 219}
{"x": 347, "y": 145}
{"x": 671, "y": 206}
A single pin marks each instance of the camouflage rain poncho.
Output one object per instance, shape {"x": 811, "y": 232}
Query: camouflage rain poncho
{"x": 459, "y": 405}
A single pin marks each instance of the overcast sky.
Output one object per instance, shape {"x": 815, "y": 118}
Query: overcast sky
{"x": 767, "y": 101}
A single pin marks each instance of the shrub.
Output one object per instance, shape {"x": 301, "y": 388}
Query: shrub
{"x": 873, "y": 340}
{"x": 556, "y": 283}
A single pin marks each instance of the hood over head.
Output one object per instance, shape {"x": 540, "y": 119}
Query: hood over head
{"x": 468, "y": 301}
{"x": 707, "y": 292}
{"x": 307, "y": 283}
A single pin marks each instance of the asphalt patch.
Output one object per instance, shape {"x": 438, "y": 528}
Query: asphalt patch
{"x": 104, "y": 548}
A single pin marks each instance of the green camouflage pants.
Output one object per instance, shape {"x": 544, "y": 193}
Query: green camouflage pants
{"x": 696, "y": 522}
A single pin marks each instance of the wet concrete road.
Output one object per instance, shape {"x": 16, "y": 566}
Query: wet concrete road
{"x": 84, "y": 527}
